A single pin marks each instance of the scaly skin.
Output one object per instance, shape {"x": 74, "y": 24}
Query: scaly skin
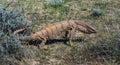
{"x": 53, "y": 30}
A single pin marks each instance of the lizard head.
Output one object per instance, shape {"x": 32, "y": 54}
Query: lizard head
{"x": 88, "y": 29}
{"x": 85, "y": 27}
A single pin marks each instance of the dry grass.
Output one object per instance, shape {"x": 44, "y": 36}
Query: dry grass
{"x": 95, "y": 49}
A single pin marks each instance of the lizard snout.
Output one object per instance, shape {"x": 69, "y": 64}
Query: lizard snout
{"x": 91, "y": 29}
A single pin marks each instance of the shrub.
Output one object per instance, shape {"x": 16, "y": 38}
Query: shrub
{"x": 10, "y": 46}
{"x": 11, "y": 20}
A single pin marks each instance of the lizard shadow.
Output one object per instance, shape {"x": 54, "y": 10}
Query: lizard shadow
{"x": 54, "y": 41}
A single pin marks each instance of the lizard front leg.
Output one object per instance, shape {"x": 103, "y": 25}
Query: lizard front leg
{"x": 43, "y": 41}
{"x": 69, "y": 35}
